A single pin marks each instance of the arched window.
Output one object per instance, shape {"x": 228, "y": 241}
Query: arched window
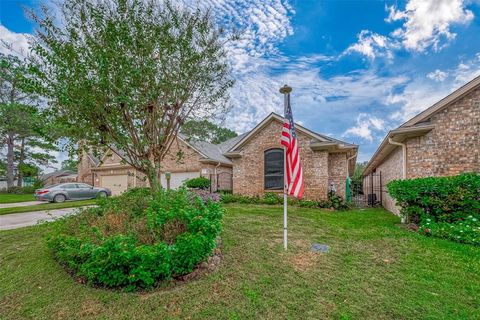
{"x": 273, "y": 175}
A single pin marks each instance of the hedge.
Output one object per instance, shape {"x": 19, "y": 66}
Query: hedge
{"x": 198, "y": 183}
{"x": 441, "y": 205}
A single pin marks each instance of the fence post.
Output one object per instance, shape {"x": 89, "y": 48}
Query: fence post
{"x": 381, "y": 189}
{"x": 371, "y": 189}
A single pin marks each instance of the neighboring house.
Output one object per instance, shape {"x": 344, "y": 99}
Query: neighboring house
{"x": 443, "y": 140}
{"x": 86, "y": 162}
{"x": 250, "y": 164}
{"x": 3, "y": 183}
{"x": 59, "y": 176}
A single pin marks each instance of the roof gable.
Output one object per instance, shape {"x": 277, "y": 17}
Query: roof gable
{"x": 440, "y": 105}
{"x": 316, "y": 137}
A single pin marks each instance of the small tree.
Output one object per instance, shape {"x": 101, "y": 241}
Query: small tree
{"x": 129, "y": 73}
{"x": 207, "y": 131}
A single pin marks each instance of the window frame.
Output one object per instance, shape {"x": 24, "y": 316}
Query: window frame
{"x": 267, "y": 175}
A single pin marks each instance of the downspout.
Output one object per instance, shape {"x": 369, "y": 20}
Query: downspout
{"x": 348, "y": 161}
{"x": 404, "y": 152}
{"x": 348, "y": 181}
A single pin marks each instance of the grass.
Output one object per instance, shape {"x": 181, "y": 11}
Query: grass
{"x": 374, "y": 270}
{"x": 12, "y": 198}
{"x": 47, "y": 206}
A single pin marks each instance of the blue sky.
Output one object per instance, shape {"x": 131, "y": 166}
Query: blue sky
{"x": 357, "y": 68}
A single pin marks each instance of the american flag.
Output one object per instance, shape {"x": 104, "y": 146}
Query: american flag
{"x": 293, "y": 166}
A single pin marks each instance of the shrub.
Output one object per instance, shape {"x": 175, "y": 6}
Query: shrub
{"x": 336, "y": 202}
{"x": 206, "y": 196}
{"x": 272, "y": 198}
{"x": 445, "y": 207}
{"x": 134, "y": 240}
{"x": 308, "y": 203}
{"x": 198, "y": 183}
{"x": 465, "y": 231}
{"x": 441, "y": 199}
{"x": 19, "y": 190}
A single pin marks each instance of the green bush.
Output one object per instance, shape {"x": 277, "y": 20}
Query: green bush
{"x": 198, "y": 183}
{"x": 445, "y": 207}
{"x": 19, "y": 190}
{"x": 441, "y": 199}
{"x": 137, "y": 239}
{"x": 336, "y": 202}
{"x": 465, "y": 230}
{"x": 271, "y": 198}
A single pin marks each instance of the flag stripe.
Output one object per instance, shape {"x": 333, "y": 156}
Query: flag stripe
{"x": 293, "y": 167}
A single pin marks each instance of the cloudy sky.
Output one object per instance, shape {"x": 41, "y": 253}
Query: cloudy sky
{"x": 357, "y": 68}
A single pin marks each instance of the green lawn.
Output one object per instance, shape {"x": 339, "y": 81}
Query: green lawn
{"x": 11, "y": 198}
{"x": 47, "y": 206}
{"x": 374, "y": 270}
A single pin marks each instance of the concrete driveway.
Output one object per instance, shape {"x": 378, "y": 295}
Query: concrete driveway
{"x": 19, "y": 220}
{"x": 20, "y": 204}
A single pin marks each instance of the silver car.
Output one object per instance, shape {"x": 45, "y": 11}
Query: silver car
{"x": 61, "y": 192}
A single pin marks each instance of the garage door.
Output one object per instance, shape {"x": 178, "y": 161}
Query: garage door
{"x": 116, "y": 183}
{"x": 177, "y": 178}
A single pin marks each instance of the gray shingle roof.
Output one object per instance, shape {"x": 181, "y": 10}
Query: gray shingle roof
{"x": 57, "y": 174}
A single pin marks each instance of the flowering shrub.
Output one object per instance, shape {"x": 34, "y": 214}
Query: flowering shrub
{"x": 205, "y": 195}
{"x": 132, "y": 243}
{"x": 445, "y": 207}
{"x": 465, "y": 230}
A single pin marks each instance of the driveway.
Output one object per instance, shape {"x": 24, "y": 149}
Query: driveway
{"x": 20, "y": 204}
{"x": 19, "y": 220}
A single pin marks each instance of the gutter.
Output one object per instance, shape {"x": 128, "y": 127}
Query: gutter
{"x": 404, "y": 155}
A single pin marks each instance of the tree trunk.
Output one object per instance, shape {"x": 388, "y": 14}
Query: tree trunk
{"x": 10, "y": 175}
{"x": 20, "y": 162}
{"x": 153, "y": 180}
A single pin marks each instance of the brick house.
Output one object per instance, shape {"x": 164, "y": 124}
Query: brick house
{"x": 250, "y": 164}
{"x": 443, "y": 140}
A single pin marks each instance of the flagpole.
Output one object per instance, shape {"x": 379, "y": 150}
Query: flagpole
{"x": 285, "y": 90}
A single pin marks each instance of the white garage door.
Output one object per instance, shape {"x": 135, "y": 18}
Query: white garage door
{"x": 177, "y": 178}
{"x": 116, "y": 183}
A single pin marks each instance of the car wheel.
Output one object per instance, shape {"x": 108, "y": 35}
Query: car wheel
{"x": 102, "y": 194}
{"x": 59, "y": 198}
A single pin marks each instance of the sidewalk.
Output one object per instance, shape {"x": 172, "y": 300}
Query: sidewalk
{"x": 19, "y": 220}
{"x": 20, "y": 204}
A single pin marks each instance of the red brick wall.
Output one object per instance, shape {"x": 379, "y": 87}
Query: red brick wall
{"x": 248, "y": 171}
{"x": 453, "y": 146}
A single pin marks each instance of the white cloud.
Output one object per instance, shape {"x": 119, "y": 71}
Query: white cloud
{"x": 427, "y": 23}
{"x": 372, "y": 45}
{"x": 420, "y": 94}
{"x": 365, "y": 127}
{"x": 13, "y": 43}
{"x": 437, "y": 75}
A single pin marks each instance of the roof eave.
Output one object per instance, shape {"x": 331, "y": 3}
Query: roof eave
{"x": 232, "y": 154}
{"x": 397, "y": 135}
{"x": 212, "y": 161}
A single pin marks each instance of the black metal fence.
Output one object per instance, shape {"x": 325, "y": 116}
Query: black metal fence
{"x": 370, "y": 193}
